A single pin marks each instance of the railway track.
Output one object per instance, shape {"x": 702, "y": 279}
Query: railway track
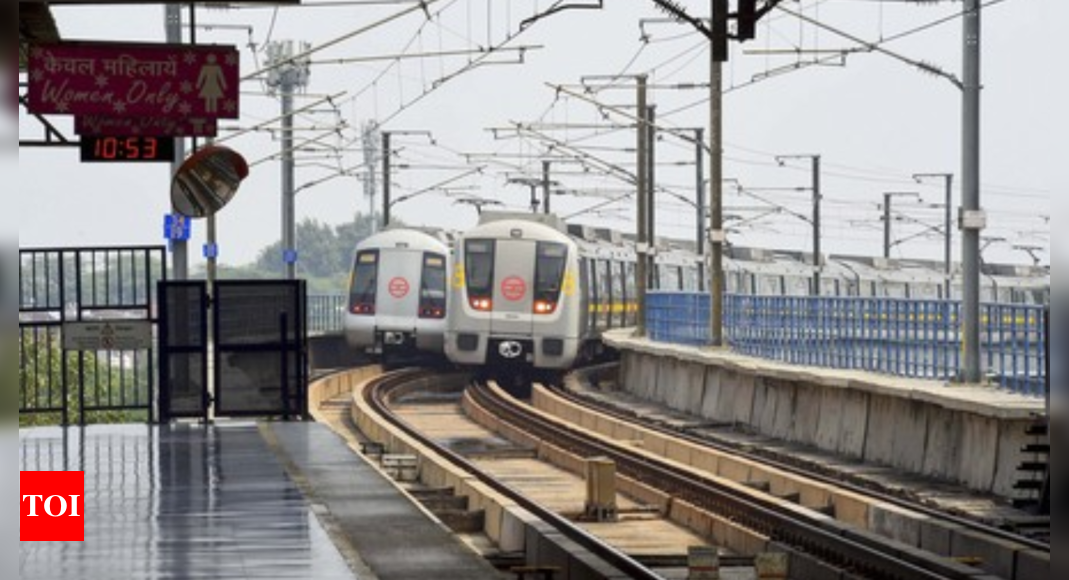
{"x": 380, "y": 395}
{"x": 1035, "y": 535}
{"x": 820, "y": 540}
{"x": 817, "y": 541}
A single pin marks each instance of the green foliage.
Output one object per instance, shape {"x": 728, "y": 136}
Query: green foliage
{"x": 41, "y": 383}
{"x": 325, "y": 252}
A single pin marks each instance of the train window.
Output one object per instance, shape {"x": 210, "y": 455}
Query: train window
{"x": 549, "y": 276}
{"x": 479, "y": 269}
{"x": 365, "y": 281}
{"x": 432, "y": 287}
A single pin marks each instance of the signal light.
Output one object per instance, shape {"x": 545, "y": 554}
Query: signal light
{"x": 364, "y": 309}
{"x": 544, "y": 307}
{"x": 482, "y": 304}
{"x": 433, "y": 313}
{"x": 747, "y": 20}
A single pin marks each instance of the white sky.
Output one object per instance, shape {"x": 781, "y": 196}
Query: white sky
{"x": 875, "y": 121}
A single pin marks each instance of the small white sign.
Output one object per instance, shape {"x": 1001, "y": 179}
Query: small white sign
{"x": 107, "y": 335}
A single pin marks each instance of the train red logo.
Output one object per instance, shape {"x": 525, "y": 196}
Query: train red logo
{"x": 53, "y": 506}
{"x": 399, "y": 288}
{"x": 513, "y": 288}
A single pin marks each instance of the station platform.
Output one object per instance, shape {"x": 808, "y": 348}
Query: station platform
{"x": 966, "y": 435}
{"x": 238, "y": 501}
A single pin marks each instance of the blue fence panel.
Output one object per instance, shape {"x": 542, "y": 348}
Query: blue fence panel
{"x": 902, "y": 337}
{"x": 326, "y": 313}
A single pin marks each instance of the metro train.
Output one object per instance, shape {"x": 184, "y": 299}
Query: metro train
{"x": 397, "y": 293}
{"x": 528, "y": 291}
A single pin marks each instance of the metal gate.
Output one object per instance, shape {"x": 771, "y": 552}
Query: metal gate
{"x": 97, "y": 381}
{"x": 257, "y": 355}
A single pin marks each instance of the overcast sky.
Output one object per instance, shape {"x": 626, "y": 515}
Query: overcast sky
{"x": 875, "y": 120}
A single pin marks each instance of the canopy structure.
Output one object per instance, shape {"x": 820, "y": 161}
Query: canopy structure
{"x": 36, "y": 24}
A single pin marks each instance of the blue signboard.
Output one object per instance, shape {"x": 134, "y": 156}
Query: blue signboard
{"x": 177, "y": 227}
{"x": 211, "y": 251}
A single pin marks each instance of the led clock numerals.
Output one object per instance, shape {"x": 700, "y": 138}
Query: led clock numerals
{"x": 131, "y": 148}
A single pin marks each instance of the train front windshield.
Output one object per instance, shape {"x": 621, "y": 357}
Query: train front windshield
{"x": 364, "y": 284}
{"x": 479, "y": 271}
{"x": 433, "y": 287}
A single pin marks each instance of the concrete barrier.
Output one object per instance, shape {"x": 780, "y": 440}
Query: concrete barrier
{"x": 965, "y": 435}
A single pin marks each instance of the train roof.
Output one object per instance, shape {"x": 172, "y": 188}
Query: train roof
{"x": 405, "y": 238}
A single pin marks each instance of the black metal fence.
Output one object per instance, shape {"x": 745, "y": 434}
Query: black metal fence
{"x": 62, "y": 287}
{"x": 257, "y": 356}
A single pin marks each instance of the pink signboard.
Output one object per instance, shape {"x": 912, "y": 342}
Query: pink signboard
{"x": 99, "y": 126}
{"x": 140, "y": 80}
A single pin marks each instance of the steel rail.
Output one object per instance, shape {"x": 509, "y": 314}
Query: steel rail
{"x": 999, "y": 533}
{"x": 831, "y": 542}
{"x": 377, "y": 396}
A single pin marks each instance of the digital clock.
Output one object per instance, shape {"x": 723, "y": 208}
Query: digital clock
{"x": 104, "y": 149}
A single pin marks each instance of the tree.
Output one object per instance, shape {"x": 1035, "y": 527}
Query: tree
{"x": 324, "y": 252}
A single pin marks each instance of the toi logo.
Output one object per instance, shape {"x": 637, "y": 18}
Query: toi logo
{"x": 52, "y": 506}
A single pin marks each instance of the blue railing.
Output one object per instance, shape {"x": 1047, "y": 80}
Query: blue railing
{"x": 909, "y": 338}
{"x": 326, "y": 313}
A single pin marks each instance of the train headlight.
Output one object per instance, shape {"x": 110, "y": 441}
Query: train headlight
{"x": 544, "y": 307}
{"x": 482, "y": 304}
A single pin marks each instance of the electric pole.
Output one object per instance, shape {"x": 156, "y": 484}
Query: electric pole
{"x": 386, "y": 202}
{"x": 973, "y": 220}
{"x": 545, "y": 186}
{"x": 286, "y": 76}
{"x": 179, "y": 248}
{"x": 717, "y": 236}
{"x": 642, "y": 183}
{"x": 699, "y": 162}
{"x": 651, "y": 191}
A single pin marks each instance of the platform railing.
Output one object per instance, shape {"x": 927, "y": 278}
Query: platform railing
{"x": 908, "y": 338}
{"x": 326, "y": 313}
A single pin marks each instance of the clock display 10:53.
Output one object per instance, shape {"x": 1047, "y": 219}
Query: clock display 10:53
{"x": 133, "y": 148}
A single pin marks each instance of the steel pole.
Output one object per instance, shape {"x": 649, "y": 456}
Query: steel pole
{"x": 289, "y": 219}
{"x": 699, "y": 162}
{"x": 651, "y": 192}
{"x": 887, "y": 226}
{"x": 179, "y": 248}
{"x": 971, "y": 226}
{"x": 817, "y": 198}
{"x": 717, "y": 237}
{"x": 545, "y": 187}
{"x": 642, "y": 183}
{"x": 385, "y": 179}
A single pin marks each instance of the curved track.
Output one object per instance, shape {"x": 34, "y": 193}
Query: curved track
{"x": 1027, "y": 542}
{"x": 825, "y": 540}
{"x": 379, "y": 396}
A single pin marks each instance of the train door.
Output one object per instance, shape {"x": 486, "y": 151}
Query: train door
{"x": 399, "y": 280}
{"x": 514, "y": 268}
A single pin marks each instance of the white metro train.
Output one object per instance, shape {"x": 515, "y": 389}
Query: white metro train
{"x": 527, "y": 290}
{"x": 397, "y": 292}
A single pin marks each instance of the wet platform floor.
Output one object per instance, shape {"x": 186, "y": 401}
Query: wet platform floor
{"x": 178, "y": 503}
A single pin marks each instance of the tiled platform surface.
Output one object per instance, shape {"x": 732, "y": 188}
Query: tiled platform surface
{"x": 194, "y": 503}
{"x": 178, "y": 503}
{"x": 390, "y": 533}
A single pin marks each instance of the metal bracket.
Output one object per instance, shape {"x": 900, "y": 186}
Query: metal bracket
{"x": 972, "y": 219}
{"x": 53, "y": 137}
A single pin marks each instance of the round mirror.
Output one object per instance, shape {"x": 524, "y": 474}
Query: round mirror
{"x": 207, "y": 181}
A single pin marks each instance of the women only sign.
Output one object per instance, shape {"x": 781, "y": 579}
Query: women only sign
{"x": 134, "y": 80}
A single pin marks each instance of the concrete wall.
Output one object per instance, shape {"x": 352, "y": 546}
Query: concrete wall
{"x": 330, "y": 351}
{"x": 953, "y": 434}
